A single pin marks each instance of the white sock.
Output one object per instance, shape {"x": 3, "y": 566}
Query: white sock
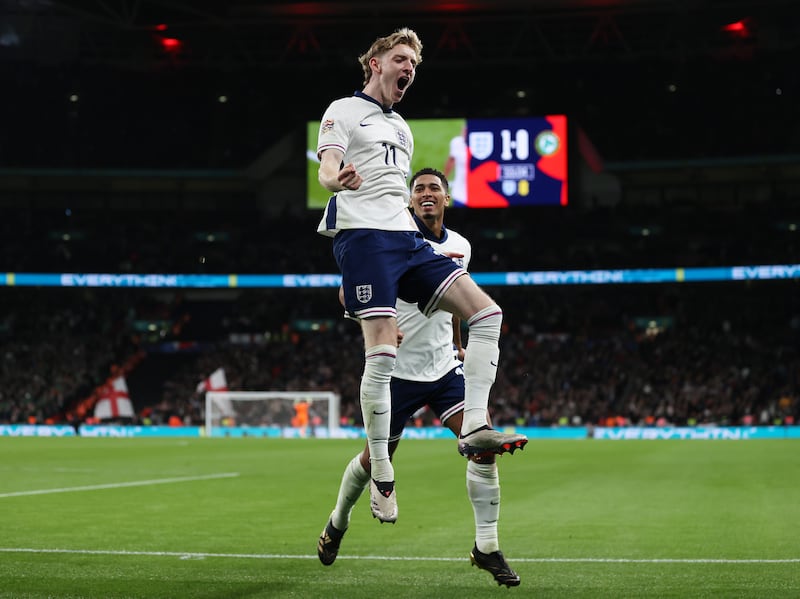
{"x": 480, "y": 365}
{"x": 376, "y": 407}
{"x": 354, "y": 481}
{"x": 483, "y": 489}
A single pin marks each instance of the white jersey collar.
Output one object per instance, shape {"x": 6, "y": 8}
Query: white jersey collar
{"x": 364, "y": 96}
{"x": 427, "y": 233}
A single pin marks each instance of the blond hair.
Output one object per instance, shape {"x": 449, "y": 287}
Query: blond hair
{"x": 384, "y": 44}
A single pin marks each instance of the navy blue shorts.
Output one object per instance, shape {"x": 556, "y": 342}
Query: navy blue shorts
{"x": 444, "y": 397}
{"x": 380, "y": 266}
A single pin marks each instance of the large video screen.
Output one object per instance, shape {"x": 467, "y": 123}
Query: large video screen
{"x": 490, "y": 163}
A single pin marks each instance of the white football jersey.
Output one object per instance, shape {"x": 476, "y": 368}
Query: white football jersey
{"x": 379, "y": 143}
{"x": 427, "y": 352}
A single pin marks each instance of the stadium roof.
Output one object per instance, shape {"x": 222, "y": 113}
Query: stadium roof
{"x": 279, "y": 33}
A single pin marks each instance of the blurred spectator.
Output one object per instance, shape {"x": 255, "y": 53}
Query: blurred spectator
{"x": 682, "y": 354}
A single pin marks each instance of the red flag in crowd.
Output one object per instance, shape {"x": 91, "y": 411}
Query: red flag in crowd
{"x": 215, "y": 382}
{"x": 114, "y": 402}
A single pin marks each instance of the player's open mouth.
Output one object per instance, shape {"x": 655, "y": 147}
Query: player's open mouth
{"x": 427, "y": 204}
{"x": 402, "y": 83}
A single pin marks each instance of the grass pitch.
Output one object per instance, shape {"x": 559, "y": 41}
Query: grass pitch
{"x": 228, "y": 518}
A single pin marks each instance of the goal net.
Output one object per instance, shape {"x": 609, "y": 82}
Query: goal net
{"x": 272, "y": 413}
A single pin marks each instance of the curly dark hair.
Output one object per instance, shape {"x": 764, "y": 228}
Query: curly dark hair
{"x": 430, "y": 171}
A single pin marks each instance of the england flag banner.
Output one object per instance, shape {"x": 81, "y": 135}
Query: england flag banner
{"x": 114, "y": 402}
{"x": 215, "y": 382}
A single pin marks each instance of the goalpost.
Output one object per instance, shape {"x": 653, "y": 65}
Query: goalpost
{"x": 271, "y": 413}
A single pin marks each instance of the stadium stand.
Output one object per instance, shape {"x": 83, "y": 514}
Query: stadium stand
{"x": 123, "y": 158}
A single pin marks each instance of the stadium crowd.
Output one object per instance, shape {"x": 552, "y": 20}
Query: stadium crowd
{"x": 682, "y": 354}
{"x": 708, "y": 353}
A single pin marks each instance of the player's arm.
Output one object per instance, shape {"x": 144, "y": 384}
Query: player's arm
{"x": 457, "y": 337}
{"x": 449, "y": 164}
{"x": 457, "y": 341}
{"x": 335, "y": 177}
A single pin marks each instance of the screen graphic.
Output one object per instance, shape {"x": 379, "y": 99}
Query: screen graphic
{"x": 490, "y": 163}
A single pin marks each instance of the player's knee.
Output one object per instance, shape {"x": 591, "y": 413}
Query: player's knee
{"x": 379, "y": 362}
{"x": 486, "y": 323}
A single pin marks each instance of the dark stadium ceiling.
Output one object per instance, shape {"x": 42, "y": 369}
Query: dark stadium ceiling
{"x": 457, "y": 34}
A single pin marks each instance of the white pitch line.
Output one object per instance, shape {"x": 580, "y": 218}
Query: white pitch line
{"x": 528, "y": 560}
{"x": 136, "y": 483}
